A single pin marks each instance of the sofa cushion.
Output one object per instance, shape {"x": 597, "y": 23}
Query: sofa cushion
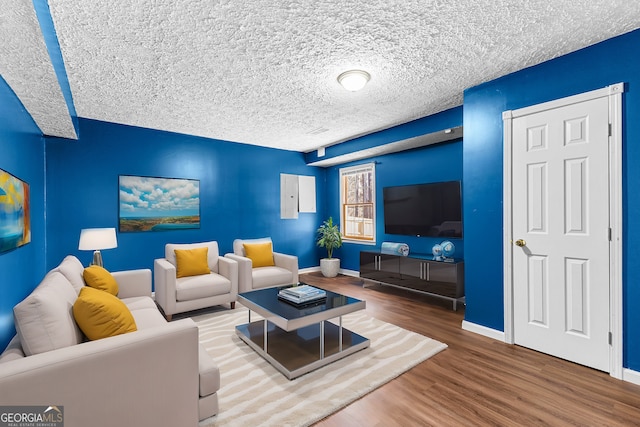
{"x": 192, "y": 262}
{"x": 44, "y": 319}
{"x": 100, "y": 314}
{"x": 139, "y": 303}
{"x": 260, "y": 254}
{"x": 197, "y": 287}
{"x": 99, "y": 278}
{"x": 72, "y": 269}
{"x": 145, "y": 312}
{"x": 271, "y": 276}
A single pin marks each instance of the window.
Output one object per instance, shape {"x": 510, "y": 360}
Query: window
{"x": 357, "y": 202}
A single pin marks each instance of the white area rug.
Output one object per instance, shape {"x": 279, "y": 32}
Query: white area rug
{"x": 254, "y": 393}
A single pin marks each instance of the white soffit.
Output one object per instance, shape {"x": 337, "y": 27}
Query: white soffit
{"x": 264, "y": 72}
{"x": 393, "y": 147}
{"x": 26, "y": 67}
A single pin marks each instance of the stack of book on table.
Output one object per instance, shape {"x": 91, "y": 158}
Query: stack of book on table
{"x": 303, "y": 294}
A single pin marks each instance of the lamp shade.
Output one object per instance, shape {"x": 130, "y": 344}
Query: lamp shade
{"x": 95, "y": 239}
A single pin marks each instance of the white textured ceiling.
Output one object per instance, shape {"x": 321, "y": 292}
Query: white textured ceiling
{"x": 264, "y": 72}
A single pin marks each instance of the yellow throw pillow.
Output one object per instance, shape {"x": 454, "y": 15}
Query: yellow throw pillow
{"x": 261, "y": 254}
{"x": 100, "y": 314}
{"x": 99, "y": 278}
{"x": 192, "y": 262}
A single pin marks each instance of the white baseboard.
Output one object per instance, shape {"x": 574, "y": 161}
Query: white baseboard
{"x": 341, "y": 271}
{"x": 631, "y": 376}
{"x": 350, "y": 273}
{"x": 483, "y": 330}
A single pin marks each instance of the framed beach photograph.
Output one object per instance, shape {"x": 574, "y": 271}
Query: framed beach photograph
{"x": 158, "y": 204}
{"x": 15, "y": 215}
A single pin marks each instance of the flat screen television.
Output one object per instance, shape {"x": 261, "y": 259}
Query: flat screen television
{"x": 430, "y": 209}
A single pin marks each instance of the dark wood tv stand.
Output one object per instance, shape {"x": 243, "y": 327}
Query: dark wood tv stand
{"x": 417, "y": 272}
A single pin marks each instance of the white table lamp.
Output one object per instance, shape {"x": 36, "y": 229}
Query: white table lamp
{"x": 95, "y": 239}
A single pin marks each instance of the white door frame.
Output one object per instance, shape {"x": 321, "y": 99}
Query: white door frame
{"x": 614, "y": 93}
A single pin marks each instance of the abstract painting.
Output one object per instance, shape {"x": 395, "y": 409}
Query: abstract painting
{"x": 158, "y": 204}
{"x": 15, "y": 217}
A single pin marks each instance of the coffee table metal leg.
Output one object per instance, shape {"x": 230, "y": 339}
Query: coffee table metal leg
{"x": 265, "y": 335}
{"x": 322, "y": 339}
{"x": 340, "y": 336}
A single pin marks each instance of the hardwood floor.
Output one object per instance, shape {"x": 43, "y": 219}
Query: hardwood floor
{"x": 477, "y": 381}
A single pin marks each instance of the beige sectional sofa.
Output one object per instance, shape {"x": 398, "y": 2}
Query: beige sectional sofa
{"x": 158, "y": 375}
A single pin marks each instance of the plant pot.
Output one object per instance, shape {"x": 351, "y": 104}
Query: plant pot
{"x": 330, "y": 267}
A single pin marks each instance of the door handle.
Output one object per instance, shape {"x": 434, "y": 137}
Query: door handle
{"x": 520, "y": 243}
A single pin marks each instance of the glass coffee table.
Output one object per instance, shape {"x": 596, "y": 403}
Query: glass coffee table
{"x": 298, "y": 340}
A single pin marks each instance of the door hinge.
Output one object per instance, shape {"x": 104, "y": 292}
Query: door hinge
{"x": 610, "y": 233}
{"x": 610, "y": 129}
{"x": 610, "y": 338}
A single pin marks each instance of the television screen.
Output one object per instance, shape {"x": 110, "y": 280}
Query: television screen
{"x": 432, "y": 209}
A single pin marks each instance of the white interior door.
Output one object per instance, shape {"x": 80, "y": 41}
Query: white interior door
{"x": 560, "y": 222}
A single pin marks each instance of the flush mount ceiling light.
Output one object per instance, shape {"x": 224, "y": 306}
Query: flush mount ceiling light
{"x": 354, "y": 80}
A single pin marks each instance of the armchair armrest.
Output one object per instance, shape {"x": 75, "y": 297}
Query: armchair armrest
{"x": 289, "y": 262}
{"x": 228, "y": 268}
{"x": 245, "y": 279}
{"x": 133, "y": 283}
{"x": 114, "y": 381}
{"x": 164, "y": 276}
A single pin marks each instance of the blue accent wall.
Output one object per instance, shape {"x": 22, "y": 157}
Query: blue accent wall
{"x": 438, "y": 162}
{"x": 239, "y": 192}
{"x": 22, "y": 155}
{"x": 613, "y": 61}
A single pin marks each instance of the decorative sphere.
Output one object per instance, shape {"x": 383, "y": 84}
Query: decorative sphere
{"x": 448, "y": 248}
{"x": 436, "y": 250}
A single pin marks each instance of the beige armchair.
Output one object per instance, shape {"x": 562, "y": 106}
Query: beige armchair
{"x": 282, "y": 271}
{"x": 217, "y": 285}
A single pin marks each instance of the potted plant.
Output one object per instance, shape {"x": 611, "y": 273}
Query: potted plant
{"x": 330, "y": 238}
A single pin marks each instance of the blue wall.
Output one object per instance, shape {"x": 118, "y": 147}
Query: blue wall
{"x": 615, "y": 60}
{"x": 21, "y": 154}
{"x": 439, "y": 162}
{"x": 239, "y": 192}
